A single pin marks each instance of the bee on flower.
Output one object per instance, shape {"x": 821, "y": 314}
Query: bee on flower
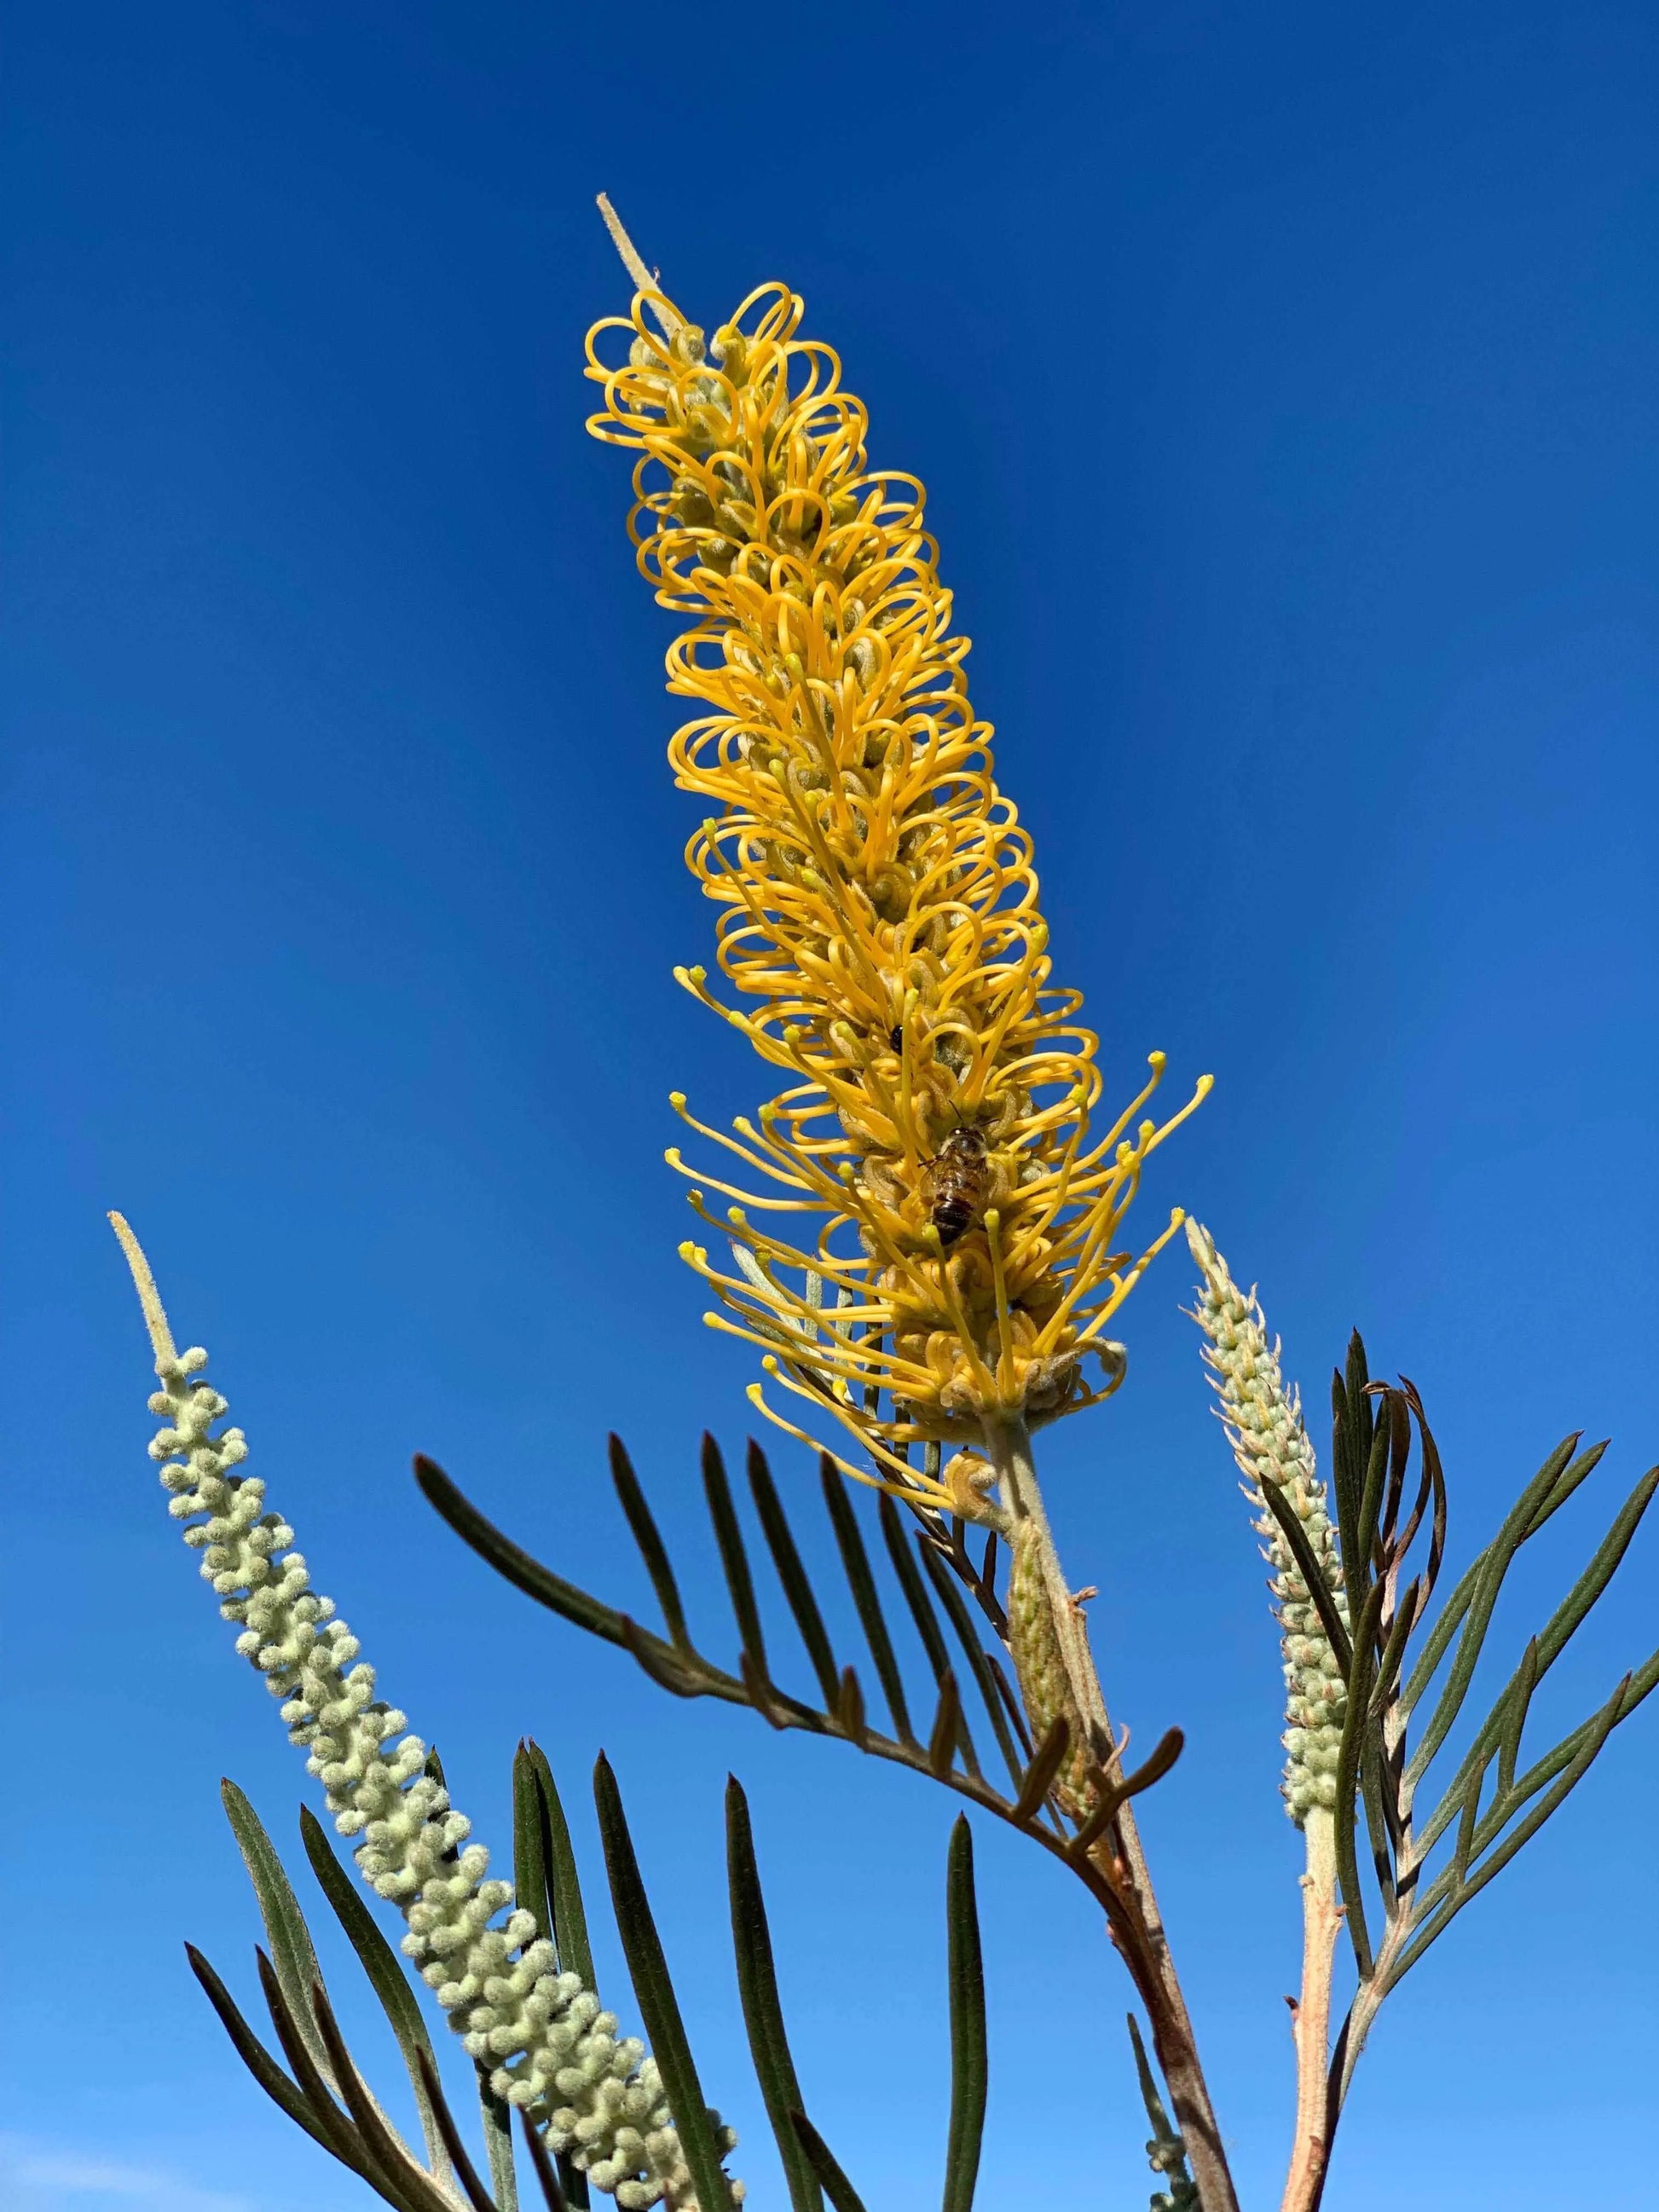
{"x": 927, "y": 1234}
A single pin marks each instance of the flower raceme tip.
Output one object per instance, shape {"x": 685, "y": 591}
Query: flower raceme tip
{"x": 958, "y": 1252}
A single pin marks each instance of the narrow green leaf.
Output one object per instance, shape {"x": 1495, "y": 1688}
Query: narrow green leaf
{"x": 1487, "y": 1574}
{"x": 292, "y": 1955}
{"x": 904, "y": 1566}
{"x": 947, "y": 1727}
{"x": 1010, "y": 1706}
{"x": 392, "y": 2155}
{"x": 649, "y": 1540}
{"x": 855, "y": 1561}
{"x": 1394, "y": 1651}
{"x": 389, "y": 2182}
{"x": 1153, "y": 1768}
{"x": 654, "y": 1992}
{"x": 836, "y": 2187}
{"x": 1515, "y": 1719}
{"x": 1157, "y": 2116}
{"x": 1563, "y": 1624}
{"x": 545, "y": 1878}
{"x": 1641, "y": 1685}
{"x": 561, "y": 1899}
{"x": 1113, "y": 1796}
{"x": 495, "y": 2115}
{"x": 780, "y": 1541}
{"x": 1469, "y": 1814}
{"x": 530, "y": 1845}
{"x": 762, "y": 2014}
{"x": 1584, "y": 1465}
{"x": 510, "y": 1561}
{"x": 570, "y": 1937}
{"x": 733, "y": 1558}
{"x": 384, "y": 1969}
{"x": 850, "y": 1710}
{"x": 465, "y": 2172}
{"x": 1350, "y": 1447}
{"x": 949, "y": 1597}
{"x": 927, "y": 1627}
{"x": 1038, "y": 1778}
{"x": 969, "y": 2068}
{"x": 1384, "y": 1451}
{"x": 1599, "y": 1728}
{"x": 1308, "y": 1566}
{"x": 1358, "y": 1381}
{"x": 1349, "y": 1760}
{"x": 328, "y": 2130}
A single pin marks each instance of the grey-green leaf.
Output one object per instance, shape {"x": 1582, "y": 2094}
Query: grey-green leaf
{"x": 970, "y": 2066}
{"x": 647, "y": 1967}
{"x": 387, "y": 1974}
{"x": 762, "y": 2014}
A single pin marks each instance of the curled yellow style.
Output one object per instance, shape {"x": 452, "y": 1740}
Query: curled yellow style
{"x": 878, "y": 909}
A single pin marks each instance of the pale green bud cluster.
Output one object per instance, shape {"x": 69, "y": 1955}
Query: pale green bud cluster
{"x": 551, "y": 2048}
{"x": 1264, "y": 1426}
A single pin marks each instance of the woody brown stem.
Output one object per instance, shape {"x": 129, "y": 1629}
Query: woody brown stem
{"x": 1136, "y": 1928}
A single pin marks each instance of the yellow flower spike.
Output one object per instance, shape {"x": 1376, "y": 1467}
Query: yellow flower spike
{"x": 879, "y": 910}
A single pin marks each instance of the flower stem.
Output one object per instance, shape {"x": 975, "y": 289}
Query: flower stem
{"x": 1321, "y": 1916}
{"x": 1135, "y": 1927}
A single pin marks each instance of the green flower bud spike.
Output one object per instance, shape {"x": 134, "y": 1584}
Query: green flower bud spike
{"x": 549, "y": 2046}
{"x": 1264, "y": 1425}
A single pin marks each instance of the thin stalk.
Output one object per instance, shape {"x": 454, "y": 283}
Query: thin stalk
{"x": 1008, "y": 1444}
{"x": 1311, "y": 2026}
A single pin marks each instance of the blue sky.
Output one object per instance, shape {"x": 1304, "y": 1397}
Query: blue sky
{"x": 1284, "y": 383}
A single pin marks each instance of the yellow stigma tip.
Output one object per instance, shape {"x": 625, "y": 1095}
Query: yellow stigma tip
{"x": 677, "y": 1100}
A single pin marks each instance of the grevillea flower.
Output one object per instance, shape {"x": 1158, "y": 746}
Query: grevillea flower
{"x": 538, "y": 2034}
{"x": 879, "y": 907}
{"x": 1264, "y": 1425}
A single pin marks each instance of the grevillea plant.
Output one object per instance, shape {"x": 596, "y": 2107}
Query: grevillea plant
{"x": 925, "y": 1243}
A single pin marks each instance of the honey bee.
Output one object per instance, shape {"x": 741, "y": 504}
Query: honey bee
{"x": 955, "y": 1183}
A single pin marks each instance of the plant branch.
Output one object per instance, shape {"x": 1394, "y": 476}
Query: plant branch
{"x": 1310, "y": 2016}
{"x": 1132, "y": 1918}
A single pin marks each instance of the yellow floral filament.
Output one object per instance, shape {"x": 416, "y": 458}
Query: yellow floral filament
{"x": 877, "y": 907}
